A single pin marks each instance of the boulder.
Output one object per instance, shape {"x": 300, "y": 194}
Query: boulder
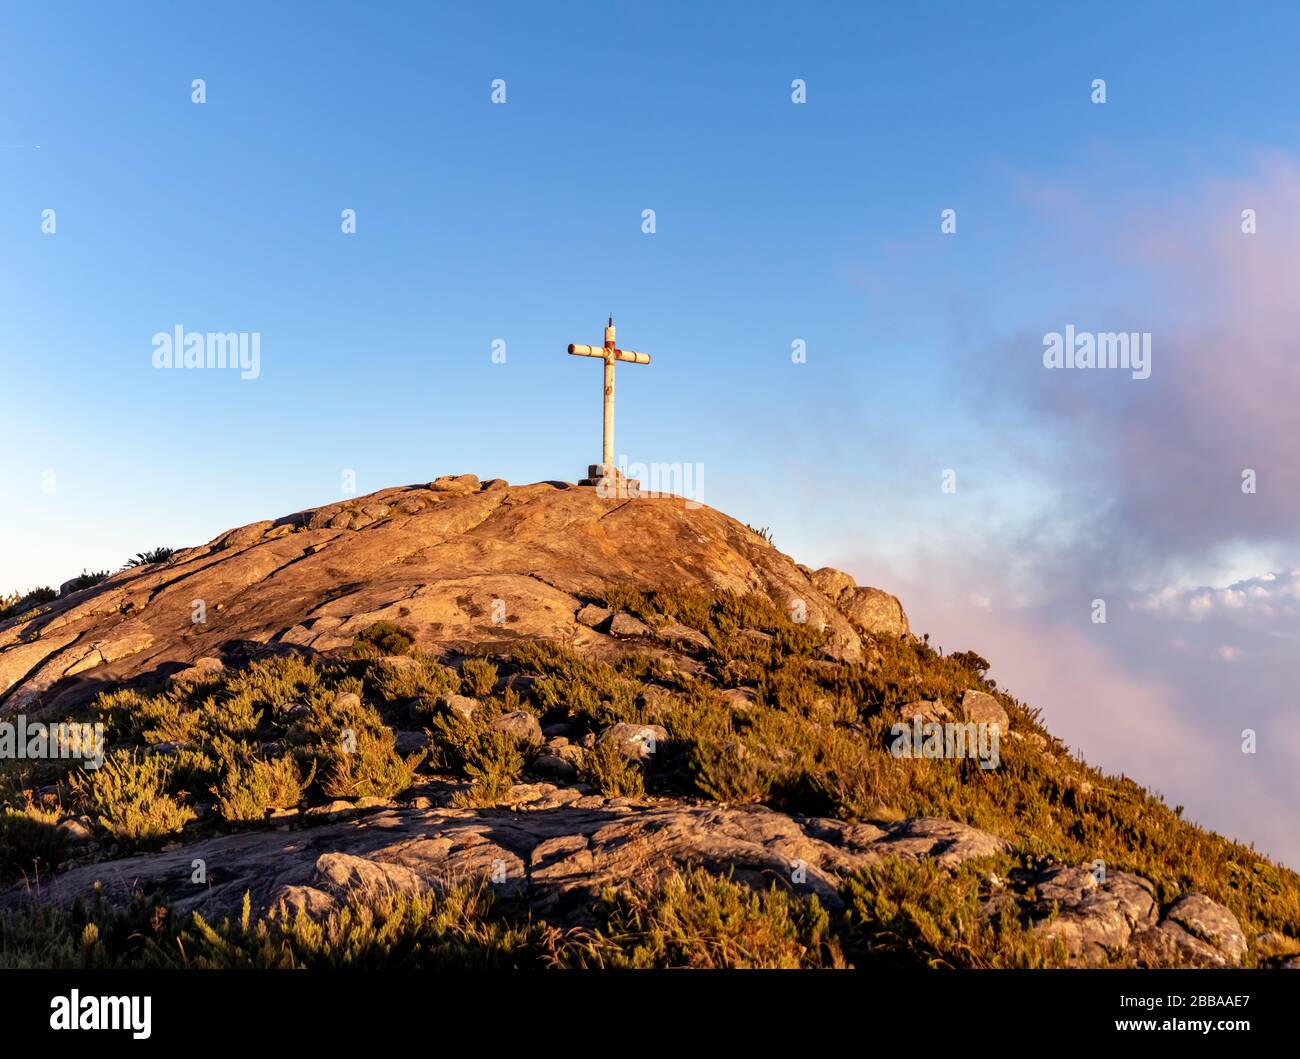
{"x": 456, "y": 484}
{"x": 521, "y": 724}
{"x": 639, "y": 741}
{"x": 461, "y": 705}
{"x": 682, "y": 636}
{"x": 558, "y": 863}
{"x": 948, "y": 843}
{"x": 1195, "y": 932}
{"x": 555, "y": 766}
{"x": 624, "y": 626}
{"x": 928, "y": 711}
{"x": 832, "y": 583}
{"x": 77, "y": 829}
{"x": 203, "y": 669}
{"x": 408, "y": 742}
{"x": 433, "y": 557}
{"x": 592, "y": 615}
{"x": 980, "y": 707}
{"x": 1090, "y": 919}
{"x": 739, "y": 698}
{"x": 396, "y": 664}
{"x": 875, "y": 612}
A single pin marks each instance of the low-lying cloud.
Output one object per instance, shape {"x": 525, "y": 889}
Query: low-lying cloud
{"x": 1158, "y": 487}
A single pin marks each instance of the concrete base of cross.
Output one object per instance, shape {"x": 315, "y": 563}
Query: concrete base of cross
{"x": 611, "y": 483}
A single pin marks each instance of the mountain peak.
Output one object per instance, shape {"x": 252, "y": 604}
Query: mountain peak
{"x": 457, "y": 560}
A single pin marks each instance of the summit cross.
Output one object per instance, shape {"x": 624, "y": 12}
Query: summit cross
{"x": 609, "y": 353}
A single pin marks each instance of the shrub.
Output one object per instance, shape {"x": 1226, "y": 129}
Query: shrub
{"x": 612, "y": 773}
{"x": 478, "y": 677}
{"x": 248, "y": 791}
{"x": 699, "y": 920}
{"x": 85, "y": 579}
{"x": 729, "y": 772}
{"x": 31, "y": 842}
{"x": 131, "y": 799}
{"x": 591, "y": 692}
{"x": 154, "y": 555}
{"x": 164, "y": 719}
{"x": 459, "y": 927}
{"x": 815, "y": 741}
{"x": 14, "y": 603}
{"x": 373, "y": 769}
{"x": 382, "y": 638}
{"x": 493, "y": 762}
{"x": 916, "y": 913}
{"x": 424, "y": 683}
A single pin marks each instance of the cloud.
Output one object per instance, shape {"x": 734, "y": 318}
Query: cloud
{"x": 1256, "y": 602}
{"x": 1132, "y": 491}
{"x": 1164, "y": 458}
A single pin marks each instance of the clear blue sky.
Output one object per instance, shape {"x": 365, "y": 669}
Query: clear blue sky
{"x": 775, "y": 222}
{"x": 522, "y": 222}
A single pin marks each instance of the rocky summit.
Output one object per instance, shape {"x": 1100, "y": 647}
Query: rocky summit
{"x": 584, "y": 730}
{"x": 462, "y": 563}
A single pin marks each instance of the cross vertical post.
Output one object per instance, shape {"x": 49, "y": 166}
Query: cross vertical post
{"x": 607, "y": 435}
{"x": 604, "y": 474}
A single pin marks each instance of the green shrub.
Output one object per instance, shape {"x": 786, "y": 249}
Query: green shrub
{"x": 382, "y": 638}
{"x": 917, "y": 914}
{"x": 729, "y": 772}
{"x": 373, "y": 769}
{"x": 612, "y": 773}
{"x": 31, "y": 843}
{"x": 459, "y": 927}
{"x": 593, "y": 693}
{"x": 85, "y": 579}
{"x": 154, "y": 555}
{"x": 16, "y": 604}
{"x": 478, "y": 677}
{"x": 425, "y": 683}
{"x": 814, "y": 741}
{"x": 698, "y": 920}
{"x": 130, "y": 797}
{"x": 493, "y": 763}
{"x": 250, "y": 790}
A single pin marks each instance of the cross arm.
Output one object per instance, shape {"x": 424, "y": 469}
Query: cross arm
{"x": 625, "y": 355}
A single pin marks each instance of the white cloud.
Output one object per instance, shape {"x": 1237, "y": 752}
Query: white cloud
{"x": 1258, "y": 600}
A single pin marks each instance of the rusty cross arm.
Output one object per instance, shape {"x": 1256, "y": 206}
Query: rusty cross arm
{"x": 618, "y": 354}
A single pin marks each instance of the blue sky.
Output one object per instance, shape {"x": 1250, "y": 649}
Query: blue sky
{"x": 775, "y": 222}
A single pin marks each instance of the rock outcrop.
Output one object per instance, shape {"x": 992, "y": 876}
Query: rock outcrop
{"x": 557, "y": 850}
{"x": 459, "y": 561}
{"x": 871, "y": 610}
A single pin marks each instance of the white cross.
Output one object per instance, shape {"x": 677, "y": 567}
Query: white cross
{"x": 609, "y": 353}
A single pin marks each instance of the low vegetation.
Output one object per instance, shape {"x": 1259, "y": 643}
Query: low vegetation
{"x": 760, "y": 716}
{"x": 129, "y": 796}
